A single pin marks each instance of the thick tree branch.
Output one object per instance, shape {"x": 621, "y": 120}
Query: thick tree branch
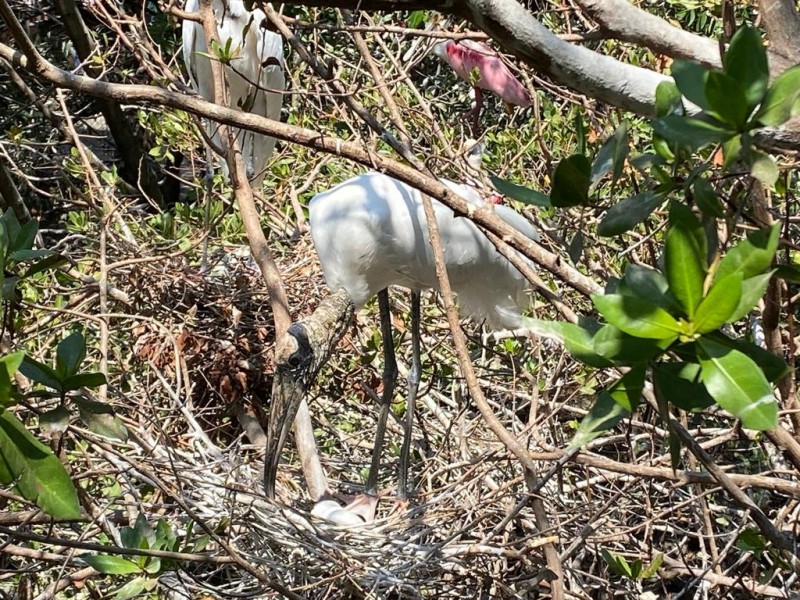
{"x": 782, "y": 22}
{"x": 629, "y": 23}
{"x": 484, "y": 216}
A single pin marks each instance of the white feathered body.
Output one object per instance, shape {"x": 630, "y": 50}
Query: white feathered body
{"x": 257, "y": 67}
{"x": 371, "y": 232}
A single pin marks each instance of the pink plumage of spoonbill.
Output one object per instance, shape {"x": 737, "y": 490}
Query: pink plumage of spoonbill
{"x": 466, "y": 57}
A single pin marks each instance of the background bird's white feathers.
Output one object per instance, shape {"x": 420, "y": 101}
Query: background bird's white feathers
{"x": 252, "y": 72}
{"x": 370, "y": 232}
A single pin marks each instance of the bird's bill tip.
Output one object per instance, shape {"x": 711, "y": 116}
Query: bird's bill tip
{"x": 286, "y": 397}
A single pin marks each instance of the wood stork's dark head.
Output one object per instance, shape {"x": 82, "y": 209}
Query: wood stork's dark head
{"x": 299, "y": 355}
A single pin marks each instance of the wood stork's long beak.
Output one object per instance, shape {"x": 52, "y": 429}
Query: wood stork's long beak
{"x": 299, "y": 355}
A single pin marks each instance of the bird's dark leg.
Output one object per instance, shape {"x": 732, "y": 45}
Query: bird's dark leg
{"x": 389, "y": 375}
{"x": 413, "y": 386}
{"x": 474, "y": 113}
{"x": 209, "y": 179}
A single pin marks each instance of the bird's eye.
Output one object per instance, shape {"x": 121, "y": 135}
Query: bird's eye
{"x": 294, "y": 361}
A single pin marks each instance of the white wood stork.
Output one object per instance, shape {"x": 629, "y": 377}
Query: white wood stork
{"x": 254, "y": 75}
{"x": 370, "y": 232}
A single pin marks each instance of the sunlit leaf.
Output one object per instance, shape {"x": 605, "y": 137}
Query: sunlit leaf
{"x": 111, "y": 565}
{"x": 519, "y": 192}
{"x": 685, "y": 258}
{"x": 752, "y": 256}
{"x": 745, "y": 62}
{"x": 637, "y": 317}
{"x": 781, "y": 98}
{"x": 35, "y": 470}
{"x": 738, "y": 385}
{"x": 628, "y": 213}
{"x": 717, "y": 307}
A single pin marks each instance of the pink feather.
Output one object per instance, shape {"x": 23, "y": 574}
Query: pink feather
{"x": 467, "y": 55}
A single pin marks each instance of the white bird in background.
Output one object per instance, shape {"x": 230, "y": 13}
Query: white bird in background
{"x": 254, "y": 75}
{"x": 370, "y": 232}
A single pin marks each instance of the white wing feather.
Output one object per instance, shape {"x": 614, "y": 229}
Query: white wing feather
{"x": 370, "y": 232}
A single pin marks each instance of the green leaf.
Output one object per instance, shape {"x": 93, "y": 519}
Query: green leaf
{"x": 100, "y": 418}
{"x": 627, "y": 391}
{"x": 51, "y": 262}
{"x": 652, "y": 570}
{"x": 781, "y": 97}
{"x": 731, "y": 150}
{"x": 726, "y": 99}
{"x": 637, "y": 317}
{"x": 685, "y": 258}
{"x": 617, "y": 564}
{"x": 26, "y": 236}
{"x": 576, "y": 339}
{"x": 604, "y": 415}
{"x": 571, "y": 182}
{"x": 134, "y": 588}
{"x": 649, "y": 285}
{"x": 628, "y": 213}
{"x": 90, "y": 380}
{"x": 764, "y": 168}
{"x": 706, "y": 198}
{"x": 10, "y": 365}
{"x": 752, "y": 256}
{"x": 623, "y": 349}
{"x": 28, "y": 254}
{"x": 753, "y": 290}
{"x": 691, "y": 132}
{"x": 70, "y": 354}
{"x": 519, "y": 192}
{"x": 34, "y": 470}
{"x": 690, "y": 78}
{"x": 790, "y": 273}
{"x": 679, "y": 383}
{"x": 746, "y": 63}
{"x": 54, "y": 421}
{"x": 110, "y": 565}
{"x": 719, "y": 305}
{"x": 611, "y": 156}
{"x": 41, "y": 373}
{"x": 668, "y": 99}
{"x": 751, "y": 540}
{"x": 774, "y": 367}
{"x": 738, "y": 385}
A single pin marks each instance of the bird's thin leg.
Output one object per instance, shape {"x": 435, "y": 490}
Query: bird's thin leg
{"x": 389, "y": 375}
{"x": 474, "y": 113}
{"x": 413, "y": 386}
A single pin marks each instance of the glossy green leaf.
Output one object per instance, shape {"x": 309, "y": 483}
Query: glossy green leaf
{"x": 719, "y": 305}
{"x": 101, "y": 419}
{"x": 731, "y": 151}
{"x": 623, "y": 349}
{"x": 648, "y": 284}
{"x": 691, "y": 132}
{"x": 753, "y": 290}
{"x": 738, "y": 385}
{"x": 576, "y": 339}
{"x": 603, "y": 416}
{"x": 28, "y": 254}
{"x": 628, "y": 213}
{"x": 781, "y": 98}
{"x": 35, "y": 470}
{"x": 726, "y": 99}
{"x": 685, "y": 258}
{"x": 774, "y": 367}
{"x": 617, "y": 564}
{"x": 706, "y": 198}
{"x": 110, "y": 565}
{"x": 637, "y": 317}
{"x": 690, "y": 78}
{"x": 746, "y": 62}
{"x": 519, "y": 192}
{"x": 611, "y": 156}
{"x": 679, "y": 383}
{"x": 668, "y": 99}
{"x": 571, "y": 182}
{"x": 70, "y": 354}
{"x": 41, "y": 373}
{"x": 136, "y": 588}
{"x": 90, "y": 380}
{"x": 752, "y": 256}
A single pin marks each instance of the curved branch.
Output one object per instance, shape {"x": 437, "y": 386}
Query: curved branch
{"x": 629, "y": 23}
